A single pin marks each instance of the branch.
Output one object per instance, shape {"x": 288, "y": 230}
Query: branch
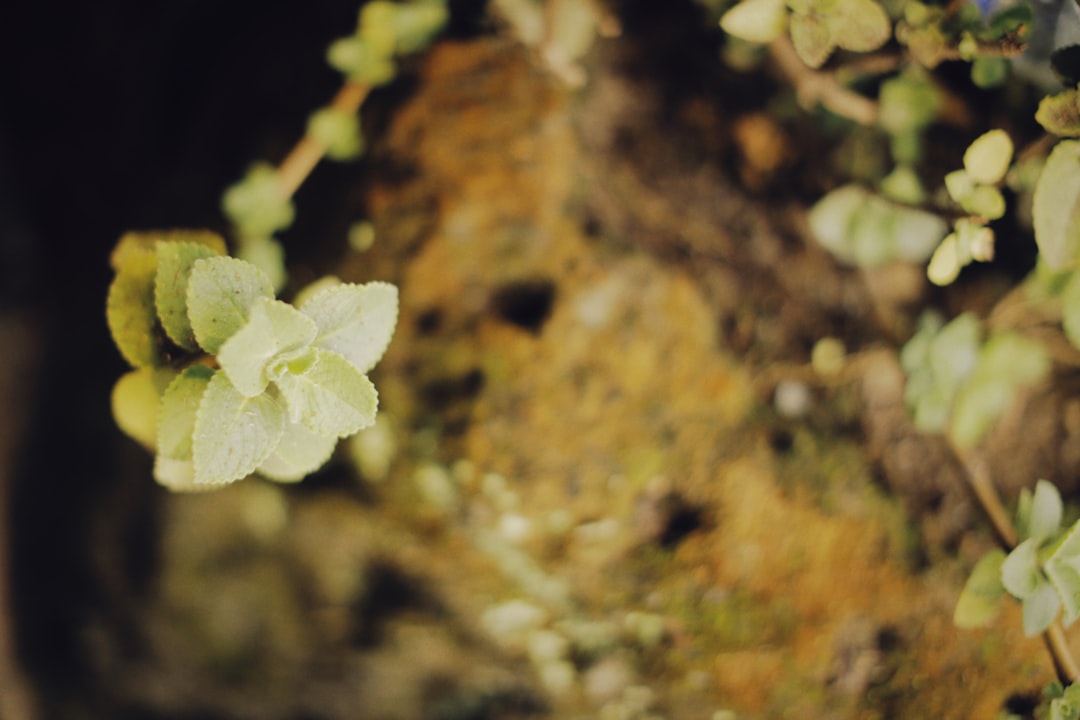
{"x": 813, "y": 87}
{"x": 307, "y": 153}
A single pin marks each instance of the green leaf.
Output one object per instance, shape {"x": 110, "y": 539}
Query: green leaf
{"x": 129, "y": 308}
{"x": 812, "y": 39}
{"x": 361, "y": 61}
{"x": 831, "y": 218}
{"x": 989, "y": 72}
{"x": 135, "y": 401}
{"x": 1010, "y": 19}
{"x": 331, "y": 397}
{"x": 1044, "y": 520}
{"x": 987, "y": 159}
{"x": 274, "y": 330}
{"x": 1011, "y": 358}
{"x": 355, "y": 321}
{"x": 907, "y": 102}
{"x": 1060, "y": 114}
{"x": 1020, "y": 570}
{"x": 1040, "y": 609}
{"x": 170, "y": 287}
{"x": 975, "y": 410}
{"x": 338, "y": 131}
{"x": 416, "y": 23}
{"x": 985, "y": 201}
{"x": 954, "y": 351}
{"x": 233, "y": 434}
{"x": 960, "y": 185}
{"x": 267, "y": 255}
{"x": 981, "y": 597}
{"x": 300, "y": 453}
{"x": 946, "y": 262}
{"x": 760, "y": 21}
{"x": 1063, "y": 569}
{"x": 1070, "y": 309}
{"x": 915, "y": 233}
{"x": 860, "y": 25}
{"x": 221, "y": 291}
{"x": 256, "y": 204}
{"x": 177, "y": 475}
{"x": 1056, "y": 207}
{"x": 179, "y": 406}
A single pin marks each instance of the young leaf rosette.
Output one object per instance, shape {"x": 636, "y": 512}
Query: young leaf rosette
{"x": 290, "y": 382}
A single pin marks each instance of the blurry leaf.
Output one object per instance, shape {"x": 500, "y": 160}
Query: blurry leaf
{"x": 136, "y": 398}
{"x": 1040, "y": 609}
{"x": 221, "y": 291}
{"x": 417, "y": 23}
{"x": 989, "y": 72}
{"x": 1010, "y": 357}
{"x": 955, "y": 350}
{"x": 178, "y": 407}
{"x": 1070, "y": 309}
{"x": 233, "y": 434}
{"x": 273, "y": 329}
{"x": 170, "y": 287}
{"x": 1056, "y": 207}
{"x": 985, "y": 201}
{"x": 355, "y": 321}
{"x": 907, "y": 102}
{"x": 915, "y": 233}
{"x": 129, "y": 308}
{"x": 267, "y": 255}
{"x": 338, "y": 131}
{"x": 1063, "y": 569}
{"x": 987, "y": 159}
{"x": 332, "y": 398}
{"x": 981, "y": 597}
{"x": 256, "y": 204}
{"x": 361, "y": 61}
{"x": 299, "y": 453}
{"x": 859, "y": 25}
{"x": 1020, "y": 570}
{"x": 945, "y": 263}
{"x": 976, "y": 409}
{"x": 902, "y": 185}
{"x": 1066, "y": 64}
{"x": 1060, "y": 114}
{"x": 812, "y": 39}
{"x": 830, "y": 219}
{"x": 1044, "y": 520}
{"x": 760, "y": 21}
{"x": 1010, "y": 18}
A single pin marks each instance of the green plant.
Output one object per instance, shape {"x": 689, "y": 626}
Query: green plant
{"x": 228, "y": 380}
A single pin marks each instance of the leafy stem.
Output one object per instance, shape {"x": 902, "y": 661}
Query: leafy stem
{"x": 813, "y": 86}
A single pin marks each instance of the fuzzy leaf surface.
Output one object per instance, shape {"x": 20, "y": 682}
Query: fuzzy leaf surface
{"x": 1020, "y": 570}
{"x": 1063, "y": 569}
{"x": 179, "y": 406}
{"x": 355, "y": 321}
{"x": 233, "y": 434}
{"x": 274, "y": 329}
{"x": 221, "y": 291}
{"x": 300, "y": 453}
{"x": 331, "y": 397}
{"x": 170, "y": 288}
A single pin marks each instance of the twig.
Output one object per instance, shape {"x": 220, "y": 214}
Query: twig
{"x": 813, "y": 87}
{"x": 307, "y": 153}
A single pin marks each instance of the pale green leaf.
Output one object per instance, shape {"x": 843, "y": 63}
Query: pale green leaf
{"x": 1044, "y": 520}
{"x": 831, "y": 218}
{"x": 1060, "y": 114}
{"x": 915, "y": 233}
{"x": 812, "y": 39}
{"x": 233, "y": 434}
{"x": 267, "y": 255}
{"x": 1020, "y": 570}
{"x": 338, "y": 131}
{"x": 1011, "y": 358}
{"x": 985, "y": 201}
{"x": 177, "y": 475}
{"x": 179, "y": 405}
{"x": 129, "y": 307}
{"x": 170, "y": 288}
{"x": 859, "y": 25}
{"x": 300, "y": 453}
{"x": 981, "y": 597}
{"x": 954, "y": 350}
{"x": 1056, "y": 207}
{"x": 221, "y": 291}
{"x": 987, "y": 159}
{"x": 256, "y": 204}
{"x": 760, "y": 21}
{"x": 274, "y": 330}
{"x": 1063, "y": 569}
{"x": 959, "y": 185}
{"x": 331, "y": 397}
{"x": 355, "y": 321}
{"x": 975, "y": 410}
{"x": 416, "y": 23}
{"x": 1070, "y": 309}
{"x": 135, "y": 401}
{"x": 1040, "y": 609}
{"x": 945, "y": 263}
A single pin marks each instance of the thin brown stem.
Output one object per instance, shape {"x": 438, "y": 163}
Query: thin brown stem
{"x": 307, "y": 153}
{"x": 813, "y": 87}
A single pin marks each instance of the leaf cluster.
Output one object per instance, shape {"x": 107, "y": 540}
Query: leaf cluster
{"x": 960, "y": 385}
{"x": 1042, "y": 571}
{"x": 229, "y": 380}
